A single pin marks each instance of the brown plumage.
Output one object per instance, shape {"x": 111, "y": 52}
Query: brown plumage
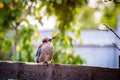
{"x": 45, "y": 51}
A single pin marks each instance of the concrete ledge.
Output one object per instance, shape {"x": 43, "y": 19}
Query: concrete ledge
{"x": 35, "y": 71}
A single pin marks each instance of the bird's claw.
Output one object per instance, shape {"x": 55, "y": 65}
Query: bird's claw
{"x": 46, "y": 63}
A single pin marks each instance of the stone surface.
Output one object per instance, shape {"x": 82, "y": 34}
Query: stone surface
{"x": 37, "y": 71}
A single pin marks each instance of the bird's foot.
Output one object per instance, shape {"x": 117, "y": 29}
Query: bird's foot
{"x": 46, "y": 63}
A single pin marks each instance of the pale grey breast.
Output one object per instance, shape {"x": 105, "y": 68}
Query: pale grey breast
{"x": 47, "y": 51}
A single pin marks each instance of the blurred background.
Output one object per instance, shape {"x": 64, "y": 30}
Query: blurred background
{"x": 82, "y": 39}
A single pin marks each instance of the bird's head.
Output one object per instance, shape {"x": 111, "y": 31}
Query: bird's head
{"x": 47, "y": 39}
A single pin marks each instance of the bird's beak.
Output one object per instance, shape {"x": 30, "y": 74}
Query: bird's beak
{"x": 53, "y": 38}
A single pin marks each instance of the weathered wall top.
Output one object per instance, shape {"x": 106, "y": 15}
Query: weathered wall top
{"x": 35, "y": 71}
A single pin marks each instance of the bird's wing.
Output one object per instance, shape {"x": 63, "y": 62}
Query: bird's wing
{"x": 38, "y": 52}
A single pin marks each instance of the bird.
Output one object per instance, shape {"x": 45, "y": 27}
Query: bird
{"x": 45, "y": 51}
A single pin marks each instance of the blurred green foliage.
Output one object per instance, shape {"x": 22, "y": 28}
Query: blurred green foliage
{"x": 72, "y": 16}
{"x": 15, "y": 38}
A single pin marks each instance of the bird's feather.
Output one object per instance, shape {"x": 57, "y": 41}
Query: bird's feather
{"x": 38, "y": 52}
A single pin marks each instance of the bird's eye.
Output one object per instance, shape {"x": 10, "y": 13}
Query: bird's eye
{"x": 49, "y": 39}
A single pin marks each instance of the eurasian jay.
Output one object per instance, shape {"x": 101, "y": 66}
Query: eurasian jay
{"x": 45, "y": 51}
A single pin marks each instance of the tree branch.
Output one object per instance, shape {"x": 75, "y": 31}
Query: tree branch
{"x": 113, "y": 31}
{"x": 115, "y": 35}
{"x": 15, "y": 25}
{"x": 29, "y": 10}
{"x": 116, "y": 46}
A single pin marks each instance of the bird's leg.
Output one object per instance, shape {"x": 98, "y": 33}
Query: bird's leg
{"x": 47, "y": 63}
{"x": 37, "y": 60}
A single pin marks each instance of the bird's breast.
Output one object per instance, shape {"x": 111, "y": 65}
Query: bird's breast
{"x": 47, "y": 48}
